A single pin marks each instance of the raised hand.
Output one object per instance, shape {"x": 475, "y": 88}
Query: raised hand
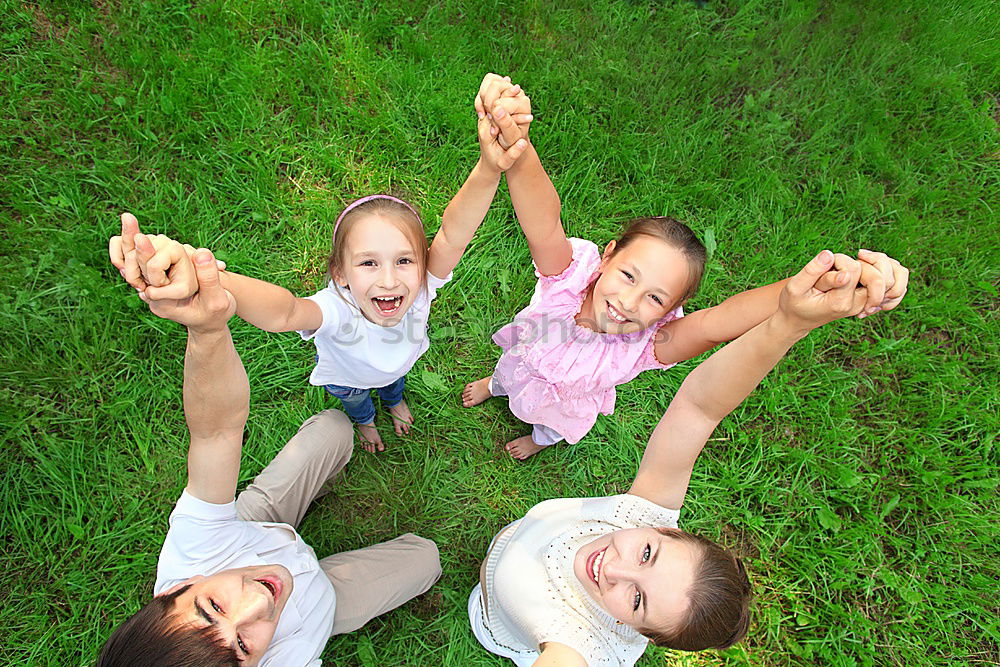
{"x": 495, "y": 90}
{"x": 499, "y": 151}
{"x": 493, "y": 153}
{"x": 806, "y": 306}
{"x": 157, "y": 271}
{"x": 121, "y": 250}
{"x": 883, "y": 278}
{"x": 894, "y": 279}
{"x": 207, "y": 309}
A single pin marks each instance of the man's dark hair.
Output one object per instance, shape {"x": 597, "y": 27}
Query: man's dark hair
{"x": 151, "y": 638}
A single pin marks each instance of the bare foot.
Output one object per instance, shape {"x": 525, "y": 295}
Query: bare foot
{"x": 476, "y": 392}
{"x": 523, "y": 447}
{"x": 401, "y": 418}
{"x": 369, "y": 437}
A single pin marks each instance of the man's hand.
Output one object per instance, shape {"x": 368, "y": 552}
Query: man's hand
{"x": 160, "y": 273}
{"x": 208, "y": 309}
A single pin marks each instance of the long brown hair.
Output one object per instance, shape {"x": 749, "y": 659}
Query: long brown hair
{"x": 718, "y": 613}
{"x": 153, "y": 637}
{"x": 676, "y": 234}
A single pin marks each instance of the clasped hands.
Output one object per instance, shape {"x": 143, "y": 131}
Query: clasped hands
{"x": 179, "y": 282}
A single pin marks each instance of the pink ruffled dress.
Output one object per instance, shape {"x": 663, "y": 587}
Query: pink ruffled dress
{"x": 558, "y": 373}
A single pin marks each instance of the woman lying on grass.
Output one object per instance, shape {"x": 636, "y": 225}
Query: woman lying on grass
{"x": 589, "y": 581}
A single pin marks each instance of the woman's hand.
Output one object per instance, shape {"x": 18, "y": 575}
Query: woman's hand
{"x": 884, "y": 278}
{"x": 804, "y": 306}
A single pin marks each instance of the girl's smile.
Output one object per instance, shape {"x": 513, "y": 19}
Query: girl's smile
{"x": 637, "y": 286}
{"x": 381, "y": 271}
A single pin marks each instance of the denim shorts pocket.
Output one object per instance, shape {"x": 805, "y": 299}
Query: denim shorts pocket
{"x": 344, "y": 392}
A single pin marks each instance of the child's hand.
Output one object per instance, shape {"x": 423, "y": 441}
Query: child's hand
{"x": 156, "y": 266}
{"x": 807, "y": 307}
{"x": 492, "y": 151}
{"x": 496, "y": 89}
{"x": 121, "y": 250}
{"x": 884, "y": 279}
{"x": 894, "y": 278}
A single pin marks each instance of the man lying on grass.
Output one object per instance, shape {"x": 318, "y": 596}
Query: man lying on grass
{"x": 235, "y": 584}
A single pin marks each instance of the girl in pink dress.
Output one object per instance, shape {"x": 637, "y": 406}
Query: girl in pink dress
{"x": 598, "y": 319}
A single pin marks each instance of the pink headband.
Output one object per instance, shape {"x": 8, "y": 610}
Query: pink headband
{"x": 358, "y": 202}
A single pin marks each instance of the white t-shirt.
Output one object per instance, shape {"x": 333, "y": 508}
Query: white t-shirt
{"x": 533, "y": 596}
{"x": 355, "y": 352}
{"x": 205, "y": 538}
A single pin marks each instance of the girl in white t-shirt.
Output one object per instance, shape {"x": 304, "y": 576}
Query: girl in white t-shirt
{"x": 369, "y": 324}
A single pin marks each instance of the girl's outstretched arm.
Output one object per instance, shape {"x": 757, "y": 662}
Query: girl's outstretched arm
{"x": 883, "y": 278}
{"x": 721, "y": 383}
{"x": 270, "y": 307}
{"x": 467, "y": 209}
{"x": 262, "y": 304}
{"x": 703, "y": 329}
{"x": 535, "y": 200}
{"x": 538, "y": 208}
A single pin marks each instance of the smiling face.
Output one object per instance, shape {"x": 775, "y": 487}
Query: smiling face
{"x": 242, "y": 604}
{"x": 640, "y": 576}
{"x": 637, "y": 286}
{"x": 381, "y": 268}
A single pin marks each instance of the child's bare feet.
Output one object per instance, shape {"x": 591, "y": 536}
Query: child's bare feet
{"x": 370, "y": 438}
{"x": 523, "y": 448}
{"x": 476, "y": 392}
{"x": 401, "y": 418}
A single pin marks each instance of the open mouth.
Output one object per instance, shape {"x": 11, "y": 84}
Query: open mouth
{"x": 616, "y": 315}
{"x": 273, "y": 586}
{"x": 387, "y": 305}
{"x": 594, "y": 565}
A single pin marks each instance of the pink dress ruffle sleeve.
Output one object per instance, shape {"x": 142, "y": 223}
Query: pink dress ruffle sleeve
{"x": 559, "y": 374}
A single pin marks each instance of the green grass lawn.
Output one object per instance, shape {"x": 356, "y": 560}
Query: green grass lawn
{"x": 860, "y": 481}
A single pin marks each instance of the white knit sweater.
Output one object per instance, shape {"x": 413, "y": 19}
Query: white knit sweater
{"x": 534, "y": 597}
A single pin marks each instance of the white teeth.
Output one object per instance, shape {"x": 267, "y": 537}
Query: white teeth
{"x": 387, "y": 304}
{"x": 615, "y": 315}
{"x": 597, "y": 566}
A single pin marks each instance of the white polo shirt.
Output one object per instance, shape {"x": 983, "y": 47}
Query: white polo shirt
{"x": 205, "y": 538}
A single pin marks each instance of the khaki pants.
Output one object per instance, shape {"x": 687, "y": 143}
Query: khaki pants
{"x": 368, "y": 581}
